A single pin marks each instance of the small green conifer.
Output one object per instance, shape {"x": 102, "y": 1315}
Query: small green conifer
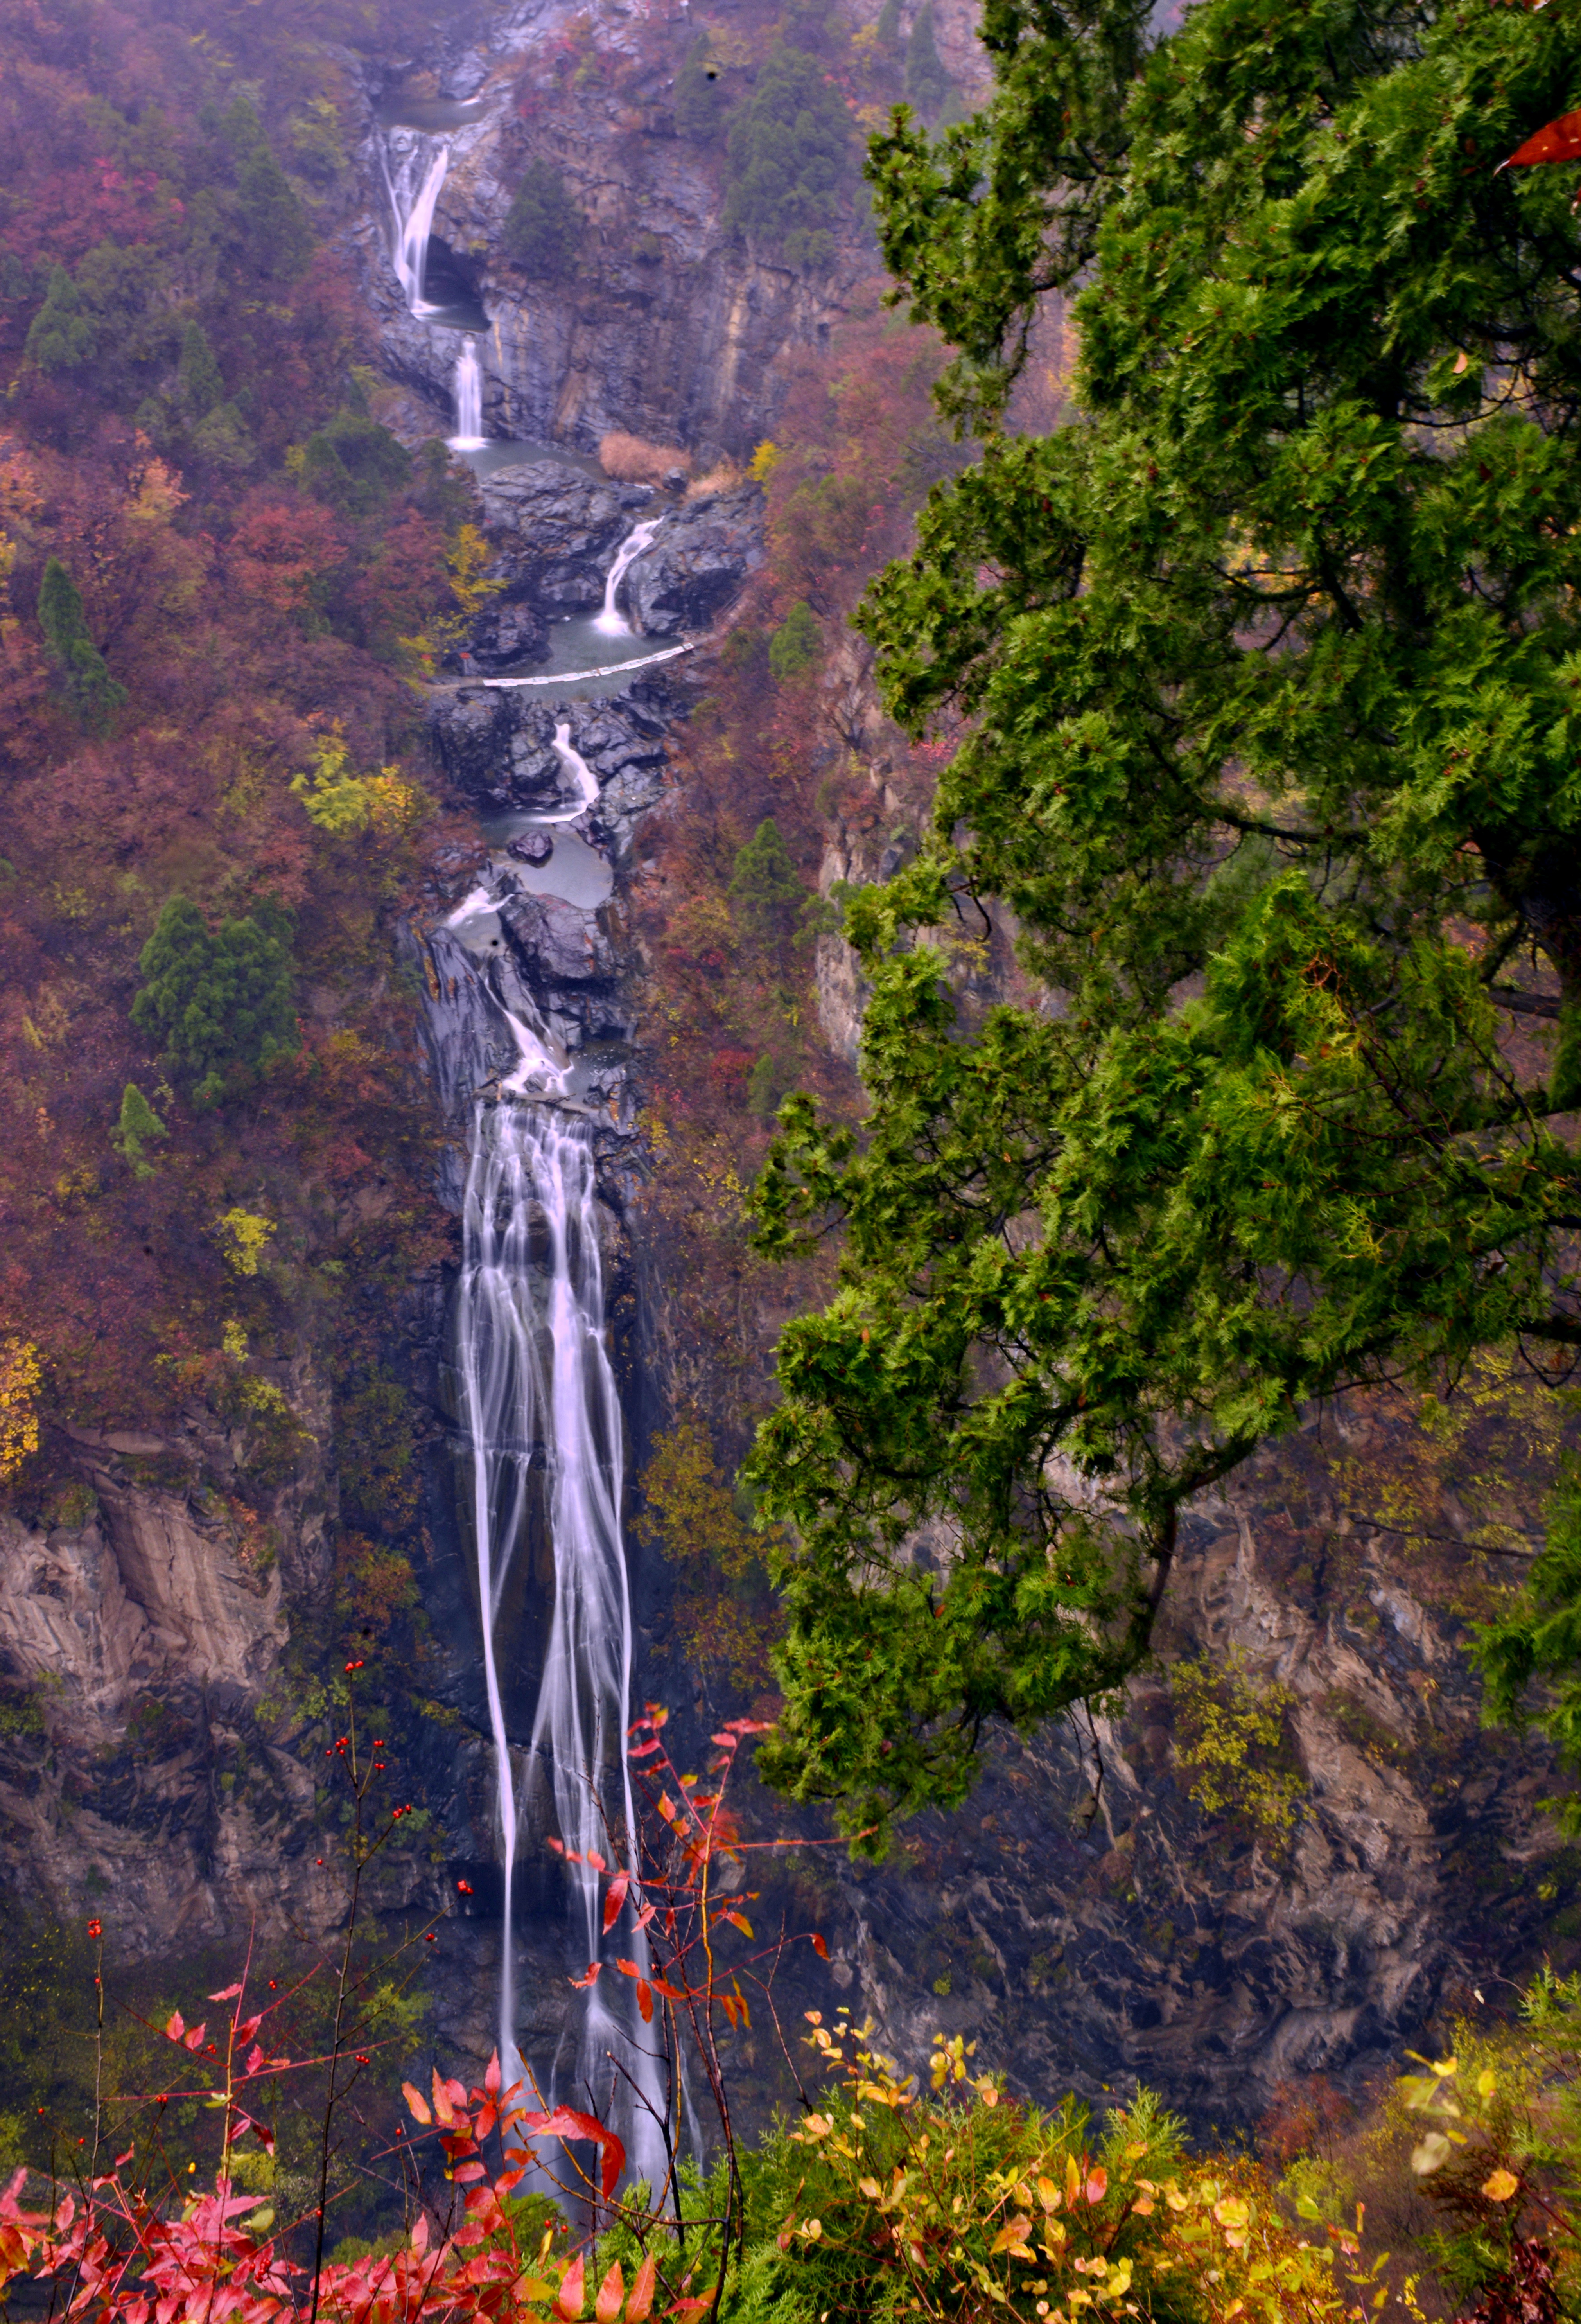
{"x": 94, "y": 694}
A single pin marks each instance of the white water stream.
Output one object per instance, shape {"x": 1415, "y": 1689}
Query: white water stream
{"x": 611, "y": 620}
{"x": 414, "y": 196}
{"x": 469, "y": 399}
{"x": 542, "y": 1415}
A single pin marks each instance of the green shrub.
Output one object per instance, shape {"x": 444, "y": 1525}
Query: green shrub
{"x": 138, "y": 1127}
{"x": 219, "y": 1001}
{"x": 276, "y": 238}
{"x": 927, "y": 84}
{"x": 354, "y": 464}
{"x": 796, "y": 645}
{"x": 789, "y": 153}
{"x": 202, "y": 384}
{"x": 62, "y": 335}
{"x": 543, "y": 226}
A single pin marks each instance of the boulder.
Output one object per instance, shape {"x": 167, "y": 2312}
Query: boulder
{"x": 506, "y": 633}
{"x": 696, "y": 563}
{"x": 534, "y": 847}
{"x": 557, "y": 943}
{"x": 496, "y": 747}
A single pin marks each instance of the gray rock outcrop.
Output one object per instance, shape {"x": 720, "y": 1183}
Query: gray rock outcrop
{"x": 696, "y": 563}
{"x": 556, "y": 531}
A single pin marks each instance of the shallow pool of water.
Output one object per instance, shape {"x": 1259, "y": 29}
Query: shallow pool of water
{"x": 434, "y": 114}
{"x": 511, "y": 452}
{"x": 574, "y": 872}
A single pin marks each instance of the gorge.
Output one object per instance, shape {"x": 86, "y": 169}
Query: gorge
{"x": 428, "y": 1428}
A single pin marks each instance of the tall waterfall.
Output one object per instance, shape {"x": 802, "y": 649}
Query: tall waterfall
{"x": 542, "y": 1418}
{"x": 414, "y": 196}
{"x": 469, "y": 396}
{"x": 611, "y": 620}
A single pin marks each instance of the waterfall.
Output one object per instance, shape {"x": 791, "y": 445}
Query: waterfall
{"x": 542, "y": 1416}
{"x": 611, "y": 620}
{"x": 581, "y": 774}
{"x": 413, "y": 201}
{"x": 469, "y": 397}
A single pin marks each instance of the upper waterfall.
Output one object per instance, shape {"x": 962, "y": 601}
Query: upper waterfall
{"x": 414, "y": 196}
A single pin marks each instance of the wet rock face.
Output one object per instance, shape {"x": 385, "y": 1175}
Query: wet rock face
{"x": 556, "y": 532}
{"x": 505, "y": 636}
{"x": 696, "y": 563}
{"x": 144, "y": 1638}
{"x": 669, "y": 327}
{"x": 498, "y": 750}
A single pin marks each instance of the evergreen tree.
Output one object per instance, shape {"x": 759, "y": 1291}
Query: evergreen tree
{"x": 62, "y": 335}
{"x": 543, "y": 226}
{"x": 789, "y": 150}
{"x": 220, "y": 1002}
{"x": 276, "y": 239}
{"x": 927, "y": 84}
{"x": 886, "y": 31}
{"x": 765, "y": 888}
{"x": 139, "y": 1126}
{"x": 1270, "y": 673}
{"x": 796, "y": 645}
{"x": 94, "y": 694}
{"x": 355, "y": 464}
{"x": 202, "y": 384}
{"x": 700, "y": 98}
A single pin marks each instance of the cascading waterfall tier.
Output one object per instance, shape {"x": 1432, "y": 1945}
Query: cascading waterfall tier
{"x": 414, "y": 175}
{"x": 610, "y": 619}
{"x": 469, "y": 397}
{"x": 542, "y": 1418}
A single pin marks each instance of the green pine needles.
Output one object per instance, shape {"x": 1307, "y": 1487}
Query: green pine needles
{"x": 95, "y": 696}
{"x": 543, "y": 227}
{"x": 220, "y": 1001}
{"x": 1269, "y": 666}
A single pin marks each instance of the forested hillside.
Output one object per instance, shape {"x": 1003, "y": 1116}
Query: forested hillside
{"x": 788, "y": 970}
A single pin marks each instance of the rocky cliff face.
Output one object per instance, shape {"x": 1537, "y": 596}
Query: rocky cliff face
{"x": 668, "y": 328}
{"x": 1091, "y": 1928}
{"x": 141, "y": 1756}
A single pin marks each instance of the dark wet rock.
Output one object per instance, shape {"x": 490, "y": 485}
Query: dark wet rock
{"x": 496, "y": 748}
{"x": 506, "y": 634}
{"x": 556, "y": 532}
{"x": 534, "y": 847}
{"x": 557, "y": 943}
{"x": 696, "y": 563}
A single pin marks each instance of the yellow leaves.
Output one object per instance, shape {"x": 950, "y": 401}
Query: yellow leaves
{"x": 763, "y": 462}
{"x": 242, "y": 1237}
{"x": 467, "y": 562}
{"x": 1231, "y": 1732}
{"x": 1429, "y": 2154}
{"x": 156, "y": 493}
{"x": 1048, "y": 2194}
{"x": 1499, "y": 2185}
{"x": 1232, "y": 2211}
{"x": 21, "y": 1378}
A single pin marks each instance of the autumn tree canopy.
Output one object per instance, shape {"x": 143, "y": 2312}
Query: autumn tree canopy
{"x": 1267, "y": 666}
